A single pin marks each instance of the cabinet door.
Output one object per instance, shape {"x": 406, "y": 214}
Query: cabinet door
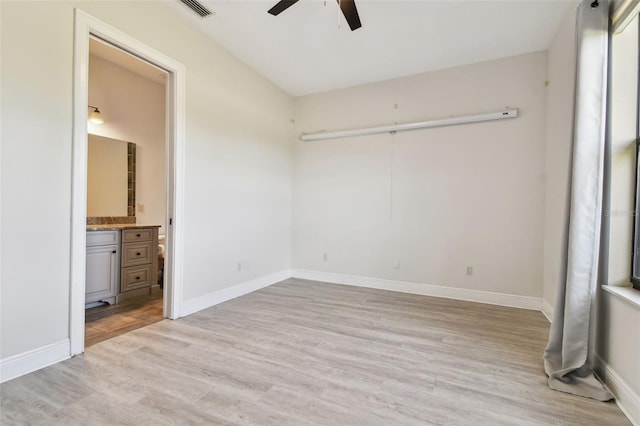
{"x": 102, "y": 273}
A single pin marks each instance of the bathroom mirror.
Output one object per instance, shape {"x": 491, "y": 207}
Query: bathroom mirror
{"x": 111, "y": 177}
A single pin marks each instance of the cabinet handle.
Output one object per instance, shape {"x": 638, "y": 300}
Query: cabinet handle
{"x": 137, "y": 278}
{"x": 114, "y": 252}
{"x": 137, "y": 254}
{"x": 138, "y": 235}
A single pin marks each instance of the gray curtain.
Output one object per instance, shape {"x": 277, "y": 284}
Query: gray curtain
{"x": 566, "y": 358}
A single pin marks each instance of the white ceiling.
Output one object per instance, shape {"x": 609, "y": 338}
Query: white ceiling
{"x": 309, "y": 47}
{"x": 127, "y": 61}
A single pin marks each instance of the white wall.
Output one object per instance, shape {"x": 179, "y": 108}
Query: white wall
{"x": 618, "y": 345}
{"x": 35, "y": 110}
{"x": 559, "y": 133}
{"x": 437, "y": 200}
{"x": 238, "y": 162}
{"x": 133, "y": 108}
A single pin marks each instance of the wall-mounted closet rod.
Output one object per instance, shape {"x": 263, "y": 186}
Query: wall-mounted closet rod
{"x": 450, "y": 121}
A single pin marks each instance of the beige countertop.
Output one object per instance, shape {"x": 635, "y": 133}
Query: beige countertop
{"x": 118, "y": 226}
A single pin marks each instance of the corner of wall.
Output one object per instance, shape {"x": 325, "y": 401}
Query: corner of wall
{"x": 214, "y": 298}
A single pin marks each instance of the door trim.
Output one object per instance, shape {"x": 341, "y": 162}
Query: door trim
{"x": 86, "y": 25}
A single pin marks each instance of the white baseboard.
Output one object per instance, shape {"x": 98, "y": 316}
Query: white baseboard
{"x": 626, "y": 398}
{"x": 547, "y": 310}
{"x": 199, "y": 303}
{"x": 501, "y": 299}
{"x": 35, "y": 359}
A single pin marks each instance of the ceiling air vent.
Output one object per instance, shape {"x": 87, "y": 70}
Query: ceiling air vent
{"x": 197, "y": 7}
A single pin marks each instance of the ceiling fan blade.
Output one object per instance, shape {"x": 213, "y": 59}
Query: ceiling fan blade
{"x": 350, "y": 13}
{"x": 281, "y": 6}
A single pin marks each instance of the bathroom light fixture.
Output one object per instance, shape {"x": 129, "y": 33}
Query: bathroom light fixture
{"x": 95, "y": 116}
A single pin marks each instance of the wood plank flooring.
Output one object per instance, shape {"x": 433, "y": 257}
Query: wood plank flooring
{"x": 301, "y": 353}
{"x": 105, "y": 322}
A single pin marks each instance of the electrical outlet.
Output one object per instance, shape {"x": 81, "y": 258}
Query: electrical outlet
{"x": 469, "y": 270}
{"x": 325, "y": 257}
{"x": 239, "y": 267}
{"x": 396, "y": 264}
{"x": 140, "y": 207}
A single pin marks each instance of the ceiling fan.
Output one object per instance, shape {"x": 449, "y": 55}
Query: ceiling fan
{"x": 348, "y": 8}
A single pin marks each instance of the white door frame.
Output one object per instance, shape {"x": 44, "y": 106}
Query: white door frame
{"x": 86, "y": 25}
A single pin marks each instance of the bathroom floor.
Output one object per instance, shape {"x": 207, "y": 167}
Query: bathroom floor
{"x": 105, "y": 322}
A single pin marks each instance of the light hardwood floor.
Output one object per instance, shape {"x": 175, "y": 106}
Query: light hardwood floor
{"x": 105, "y": 322}
{"x": 302, "y": 352}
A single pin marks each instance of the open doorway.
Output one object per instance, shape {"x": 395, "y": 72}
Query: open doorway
{"x": 136, "y": 249}
{"x": 126, "y": 193}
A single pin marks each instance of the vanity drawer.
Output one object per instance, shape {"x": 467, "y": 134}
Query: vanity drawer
{"x": 135, "y": 277}
{"x": 102, "y": 238}
{"x": 137, "y": 253}
{"x": 132, "y": 235}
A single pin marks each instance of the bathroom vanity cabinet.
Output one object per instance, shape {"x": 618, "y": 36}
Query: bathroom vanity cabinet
{"x": 122, "y": 262}
{"x": 139, "y": 261}
{"x": 103, "y": 266}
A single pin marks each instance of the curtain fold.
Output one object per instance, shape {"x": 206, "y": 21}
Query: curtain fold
{"x": 566, "y": 358}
